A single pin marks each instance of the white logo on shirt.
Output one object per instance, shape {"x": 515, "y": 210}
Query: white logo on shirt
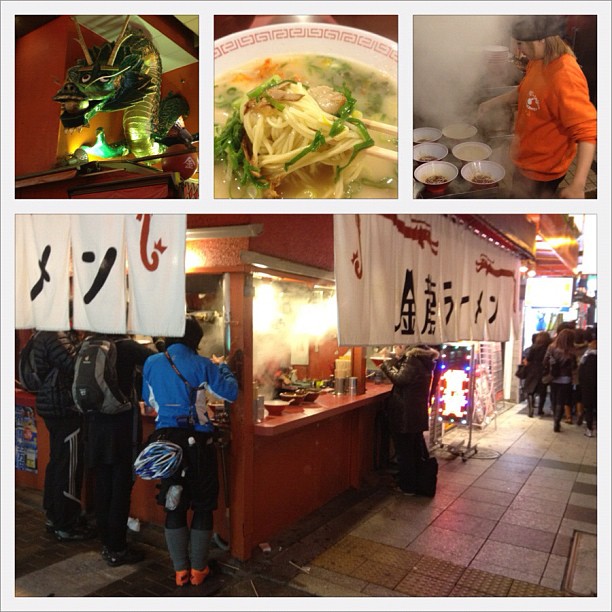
{"x": 533, "y": 104}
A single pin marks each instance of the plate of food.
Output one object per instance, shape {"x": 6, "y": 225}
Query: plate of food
{"x": 305, "y": 110}
{"x": 483, "y": 173}
{"x": 436, "y": 175}
{"x": 429, "y": 151}
{"x": 425, "y": 134}
{"x": 472, "y": 151}
{"x": 459, "y": 131}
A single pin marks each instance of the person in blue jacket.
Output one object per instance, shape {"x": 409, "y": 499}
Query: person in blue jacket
{"x": 170, "y": 382}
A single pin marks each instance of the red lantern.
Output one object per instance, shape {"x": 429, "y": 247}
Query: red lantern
{"x": 186, "y": 165}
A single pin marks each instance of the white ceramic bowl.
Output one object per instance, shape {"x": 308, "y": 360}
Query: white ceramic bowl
{"x": 436, "y": 168}
{"x": 236, "y": 49}
{"x": 472, "y": 151}
{"x": 426, "y": 134}
{"x": 473, "y": 170}
{"x": 459, "y": 131}
{"x": 429, "y": 151}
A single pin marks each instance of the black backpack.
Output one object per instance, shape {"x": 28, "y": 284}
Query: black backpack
{"x": 29, "y": 378}
{"x": 96, "y": 387}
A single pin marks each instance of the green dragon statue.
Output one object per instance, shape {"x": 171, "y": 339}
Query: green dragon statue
{"x": 124, "y": 75}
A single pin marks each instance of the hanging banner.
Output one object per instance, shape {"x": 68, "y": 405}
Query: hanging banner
{"x": 42, "y": 271}
{"x": 156, "y": 262}
{"x": 98, "y": 260}
{"x": 24, "y": 315}
{"x": 408, "y": 279}
{"x": 93, "y": 248}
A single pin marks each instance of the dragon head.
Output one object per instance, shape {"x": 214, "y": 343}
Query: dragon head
{"x": 100, "y": 80}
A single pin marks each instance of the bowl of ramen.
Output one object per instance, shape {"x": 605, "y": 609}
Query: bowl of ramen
{"x": 425, "y": 134}
{"x": 483, "y": 174}
{"x": 295, "y": 399}
{"x": 429, "y": 151}
{"x": 436, "y": 175}
{"x": 459, "y": 131}
{"x": 275, "y": 407}
{"x": 472, "y": 151}
{"x": 311, "y": 395}
{"x": 291, "y": 104}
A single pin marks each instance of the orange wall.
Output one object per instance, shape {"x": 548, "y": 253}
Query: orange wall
{"x": 300, "y": 238}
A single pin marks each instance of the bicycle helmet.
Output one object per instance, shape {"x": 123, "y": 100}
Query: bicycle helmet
{"x": 159, "y": 459}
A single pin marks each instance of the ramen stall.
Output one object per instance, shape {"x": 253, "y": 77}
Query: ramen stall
{"x": 262, "y": 303}
{"x": 275, "y": 313}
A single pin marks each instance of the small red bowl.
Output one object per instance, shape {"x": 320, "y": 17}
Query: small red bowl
{"x": 312, "y": 395}
{"x": 275, "y": 407}
{"x": 294, "y": 398}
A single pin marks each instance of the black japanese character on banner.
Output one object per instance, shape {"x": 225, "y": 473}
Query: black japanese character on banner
{"x": 494, "y": 315}
{"x": 448, "y": 299}
{"x": 431, "y": 304}
{"x": 103, "y": 271}
{"x": 44, "y": 275}
{"x": 479, "y": 309}
{"x": 408, "y": 306}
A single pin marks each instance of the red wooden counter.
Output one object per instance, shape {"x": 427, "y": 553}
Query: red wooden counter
{"x": 309, "y": 454}
{"x": 291, "y": 465}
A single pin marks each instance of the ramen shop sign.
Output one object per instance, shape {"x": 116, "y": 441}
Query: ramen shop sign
{"x": 404, "y": 279}
{"x": 110, "y": 265}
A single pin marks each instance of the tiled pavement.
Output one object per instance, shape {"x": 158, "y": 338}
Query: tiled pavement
{"x": 516, "y": 519}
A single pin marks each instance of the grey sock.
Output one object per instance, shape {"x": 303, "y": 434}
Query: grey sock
{"x": 176, "y": 541}
{"x": 200, "y": 542}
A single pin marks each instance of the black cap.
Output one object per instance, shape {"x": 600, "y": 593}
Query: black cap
{"x": 192, "y": 336}
{"x": 537, "y": 27}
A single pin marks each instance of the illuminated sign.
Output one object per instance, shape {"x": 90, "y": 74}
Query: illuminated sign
{"x": 453, "y": 395}
{"x": 549, "y": 292}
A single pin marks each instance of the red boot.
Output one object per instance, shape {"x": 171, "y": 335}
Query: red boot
{"x": 198, "y": 576}
{"x": 181, "y": 577}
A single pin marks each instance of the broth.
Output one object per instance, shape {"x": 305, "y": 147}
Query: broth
{"x": 376, "y": 96}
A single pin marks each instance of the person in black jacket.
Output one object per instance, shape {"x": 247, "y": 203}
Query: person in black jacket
{"x": 54, "y": 356}
{"x": 534, "y": 363}
{"x": 112, "y": 444}
{"x": 587, "y": 376}
{"x": 560, "y": 363}
{"x": 411, "y": 373}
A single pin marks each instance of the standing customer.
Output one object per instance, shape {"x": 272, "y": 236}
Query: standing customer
{"x": 112, "y": 441}
{"x": 555, "y": 121}
{"x": 411, "y": 372}
{"x": 54, "y": 355}
{"x": 560, "y": 363}
{"x": 580, "y": 346}
{"x": 534, "y": 364}
{"x": 170, "y": 383}
{"x": 587, "y": 375}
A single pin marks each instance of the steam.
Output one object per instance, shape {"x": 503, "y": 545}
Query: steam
{"x": 449, "y": 67}
{"x": 286, "y": 319}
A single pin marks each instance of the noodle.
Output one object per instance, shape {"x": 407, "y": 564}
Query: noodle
{"x": 285, "y": 137}
{"x": 290, "y": 136}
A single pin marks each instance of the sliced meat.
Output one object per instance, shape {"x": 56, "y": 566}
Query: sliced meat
{"x": 329, "y": 100}
{"x": 281, "y": 95}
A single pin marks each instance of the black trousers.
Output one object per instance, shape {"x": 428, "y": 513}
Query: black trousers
{"x": 590, "y": 411}
{"x": 525, "y": 188}
{"x": 541, "y": 391}
{"x": 561, "y": 396}
{"x": 64, "y": 473}
{"x": 113, "y": 489}
{"x": 410, "y": 448}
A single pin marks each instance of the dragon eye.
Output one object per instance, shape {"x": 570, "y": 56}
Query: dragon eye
{"x": 85, "y": 78}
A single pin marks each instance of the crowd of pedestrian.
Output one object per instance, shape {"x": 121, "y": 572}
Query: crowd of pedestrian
{"x": 567, "y": 366}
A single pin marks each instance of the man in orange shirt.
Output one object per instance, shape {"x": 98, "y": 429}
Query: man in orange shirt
{"x": 555, "y": 122}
